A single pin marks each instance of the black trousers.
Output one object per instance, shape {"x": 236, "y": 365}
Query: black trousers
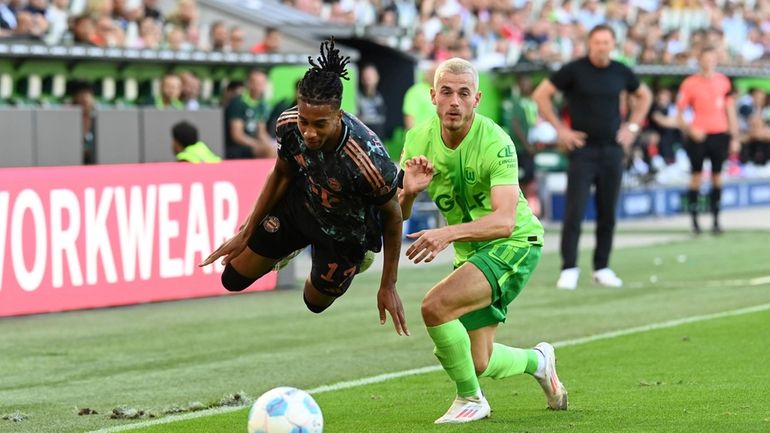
{"x": 602, "y": 167}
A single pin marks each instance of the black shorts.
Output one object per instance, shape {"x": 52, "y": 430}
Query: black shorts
{"x": 290, "y": 227}
{"x": 714, "y": 147}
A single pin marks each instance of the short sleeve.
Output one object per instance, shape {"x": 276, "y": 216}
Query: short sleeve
{"x": 683, "y": 99}
{"x": 632, "y": 81}
{"x": 381, "y": 185}
{"x": 503, "y": 164}
{"x": 564, "y": 77}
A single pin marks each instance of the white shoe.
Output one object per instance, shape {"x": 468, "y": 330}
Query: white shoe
{"x": 554, "y": 390}
{"x": 606, "y": 277}
{"x": 568, "y": 279}
{"x": 466, "y": 409}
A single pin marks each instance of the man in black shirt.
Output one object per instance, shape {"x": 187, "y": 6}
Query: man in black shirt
{"x": 333, "y": 187}
{"x": 596, "y": 140}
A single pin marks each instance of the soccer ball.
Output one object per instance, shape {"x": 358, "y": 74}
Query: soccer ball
{"x": 285, "y": 410}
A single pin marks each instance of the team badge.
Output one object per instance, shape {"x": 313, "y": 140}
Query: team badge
{"x": 334, "y": 184}
{"x": 271, "y": 224}
{"x": 470, "y": 176}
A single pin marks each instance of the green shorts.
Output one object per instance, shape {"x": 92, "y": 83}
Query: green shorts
{"x": 507, "y": 268}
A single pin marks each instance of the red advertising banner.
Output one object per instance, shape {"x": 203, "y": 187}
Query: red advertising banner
{"x": 97, "y": 236}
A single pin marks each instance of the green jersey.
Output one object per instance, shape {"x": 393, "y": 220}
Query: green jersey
{"x": 463, "y": 178}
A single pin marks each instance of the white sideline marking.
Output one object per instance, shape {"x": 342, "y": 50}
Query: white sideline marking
{"x": 416, "y": 371}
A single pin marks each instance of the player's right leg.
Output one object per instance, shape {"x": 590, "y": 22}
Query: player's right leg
{"x": 464, "y": 290}
{"x": 278, "y": 235}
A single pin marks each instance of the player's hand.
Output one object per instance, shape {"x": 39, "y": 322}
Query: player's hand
{"x": 571, "y": 139}
{"x": 230, "y": 249}
{"x": 625, "y": 137}
{"x": 418, "y": 172}
{"x": 388, "y": 300}
{"x": 428, "y": 244}
{"x": 696, "y": 135}
{"x": 735, "y": 146}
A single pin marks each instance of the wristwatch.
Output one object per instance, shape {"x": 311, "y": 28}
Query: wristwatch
{"x": 633, "y": 127}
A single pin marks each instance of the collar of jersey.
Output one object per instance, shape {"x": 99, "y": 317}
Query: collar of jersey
{"x": 247, "y": 99}
{"x": 344, "y": 137}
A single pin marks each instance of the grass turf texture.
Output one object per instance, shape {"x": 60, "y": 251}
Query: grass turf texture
{"x": 155, "y": 356}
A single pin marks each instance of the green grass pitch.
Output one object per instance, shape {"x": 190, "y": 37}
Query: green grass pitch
{"x": 707, "y": 375}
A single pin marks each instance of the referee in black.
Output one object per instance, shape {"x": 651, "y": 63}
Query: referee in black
{"x": 596, "y": 141}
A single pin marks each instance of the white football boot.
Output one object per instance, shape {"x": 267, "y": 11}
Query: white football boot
{"x": 466, "y": 409}
{"x": 554, "y": 390}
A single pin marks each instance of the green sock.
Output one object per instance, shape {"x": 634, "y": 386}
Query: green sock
{"x": 509, "y": 361}
{"x": 453, "y": 350}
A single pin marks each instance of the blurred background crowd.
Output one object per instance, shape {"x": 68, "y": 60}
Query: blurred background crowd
{"x": 491, "y": 33}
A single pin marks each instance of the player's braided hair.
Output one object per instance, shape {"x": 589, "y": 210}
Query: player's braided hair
{"x": 322, "y": 83}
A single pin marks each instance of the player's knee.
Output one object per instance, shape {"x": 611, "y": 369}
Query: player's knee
{"x": 315, "y": 308}
{"x": 233, "y": 281}
{"x": 480, "y": 365}
{"x": 432, "y": 311}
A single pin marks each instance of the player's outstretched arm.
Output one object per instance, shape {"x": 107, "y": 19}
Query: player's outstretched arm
{"x": 275, "y": 187}
{"x": 387, "y": 297}
{"x": 418, "y": 172}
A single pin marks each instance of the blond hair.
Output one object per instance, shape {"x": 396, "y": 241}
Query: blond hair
{"x": 456, "y": 66}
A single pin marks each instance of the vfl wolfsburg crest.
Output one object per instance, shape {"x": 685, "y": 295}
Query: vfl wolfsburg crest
{"x": 470, "y": 176}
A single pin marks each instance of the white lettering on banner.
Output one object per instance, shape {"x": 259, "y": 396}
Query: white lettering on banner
{"x": 168, "y": 229}
{"x": 4, "y": 200}
{"x": 97, "y": 236}
{"x": 63, "y": 241}
{"x": 197, "y": 240}
{"x": 86, "y": 227}
{"x": 29, "y": 280}
{"x": 136, "y": 230}
{"x": 225, "y": 224}
{"x": 637, "y": 204}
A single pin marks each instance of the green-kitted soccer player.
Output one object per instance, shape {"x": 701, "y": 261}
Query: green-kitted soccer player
{"x": 468, "y": 165}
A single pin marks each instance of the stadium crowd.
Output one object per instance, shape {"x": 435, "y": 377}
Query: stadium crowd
{"x": 490, "y": 32}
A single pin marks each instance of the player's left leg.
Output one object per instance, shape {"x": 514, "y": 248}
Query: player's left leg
{"x": 508, "y": 277}
{"x": 333, "y": 269}
{"x": 717, "y": 150}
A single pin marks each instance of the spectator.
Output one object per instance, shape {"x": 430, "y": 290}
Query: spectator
{"x": 7, "y": 18}
{"x": 83, "y": 31}
{"x": 233, "y": 89}
{"x": 370, "y": 103}
{"x": 150, "y": 10}
{"x": 57, "y": 16}
{"x": 82, "y": 96}
{"x": 519, "y": 118}
{"x": 418, "y": 105}
{"x": 280, "y": 107}
{"x": 755, "y": 115}
{"x": 663, "y": 128}
{"x": 246, "y": 121}
{"x": 191, "y": 89}
{"x": 218, "y": 36}
{"x": 270, "y": 44}
{"x": 170, "y": 92}
{"x": 596, "y": 140}
{"x": 187, "y": 147}
{"x": 237, "y": 39}
{"x": 150, "y": 34}
{"x": 175, "y": 40}
{"x": 186, "y": 18}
